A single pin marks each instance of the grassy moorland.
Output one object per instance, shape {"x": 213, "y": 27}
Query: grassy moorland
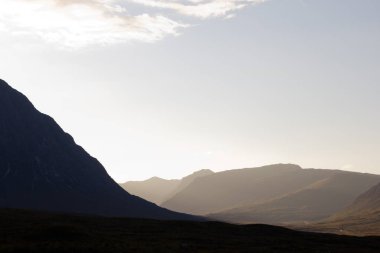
{"x": 25, "y": 231}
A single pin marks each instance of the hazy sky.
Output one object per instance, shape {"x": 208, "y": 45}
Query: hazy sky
{"x": 166, "y": 87}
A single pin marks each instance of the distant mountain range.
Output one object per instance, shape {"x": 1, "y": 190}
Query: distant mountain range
{"x": 317, "y": 201}
{"x": 158, "y": 190}
{"x": 41, "y": 167}
{"x": 154, "y": 189}
{"x": 275, "y": 194}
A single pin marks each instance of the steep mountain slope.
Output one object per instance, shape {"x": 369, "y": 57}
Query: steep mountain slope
{"x": 367, "y": 202}
{"x": 41, "y": 167}
{"x": 158, "y": 190}
{"x": 186, "y": 181}
{"x": 154, "y": 189}
{"x": 271, "y": 194}
{"x": 362, "y": 217}
{"x": 314, "y": 202}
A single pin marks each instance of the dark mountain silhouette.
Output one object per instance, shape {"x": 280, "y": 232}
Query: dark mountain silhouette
{"x": 158, "y": 190}
{"x": 42, "y": 168}
{"x": 271, "y": 194}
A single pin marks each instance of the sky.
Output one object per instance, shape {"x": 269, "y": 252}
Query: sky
{"x": 167, "y": 87}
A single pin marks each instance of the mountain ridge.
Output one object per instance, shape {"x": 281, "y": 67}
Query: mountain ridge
{"x": 273, "y": 194}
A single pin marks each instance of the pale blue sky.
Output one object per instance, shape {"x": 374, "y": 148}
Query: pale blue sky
{"x": 287, "y": 81}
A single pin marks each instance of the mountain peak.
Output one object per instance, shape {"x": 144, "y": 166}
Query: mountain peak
{"x": 203, "y": 172}
{"x": 155, "y": 179}
{"x": 4, "y": 85}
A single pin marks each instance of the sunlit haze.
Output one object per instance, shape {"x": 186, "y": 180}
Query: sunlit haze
{"x": 164, "y": 88}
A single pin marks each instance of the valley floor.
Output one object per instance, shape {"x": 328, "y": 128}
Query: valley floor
{"x": 24, "y": 231}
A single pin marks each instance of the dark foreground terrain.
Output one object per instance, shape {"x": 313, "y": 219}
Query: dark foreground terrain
{"x": 24, "y": 231}
{"x": 367, "y": 224}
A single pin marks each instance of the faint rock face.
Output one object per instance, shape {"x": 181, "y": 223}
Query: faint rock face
{"x": 158, "y": 190}
{"x": 41, "y": 167}
{"x": 366, "y": 203}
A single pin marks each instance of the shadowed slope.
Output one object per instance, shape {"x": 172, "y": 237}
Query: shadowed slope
{"x": 367, "y": 202}
{"x": 362, "y": 217}
{"x": 41, "y": 167}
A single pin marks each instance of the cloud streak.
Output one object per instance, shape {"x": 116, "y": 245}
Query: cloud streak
{"x": 79, "y": 23}
{"x": 201, "y": 8}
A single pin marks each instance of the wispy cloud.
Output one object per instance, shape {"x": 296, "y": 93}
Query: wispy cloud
{"x": 201, "y": 8}
{"x": 78, "y": 23}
